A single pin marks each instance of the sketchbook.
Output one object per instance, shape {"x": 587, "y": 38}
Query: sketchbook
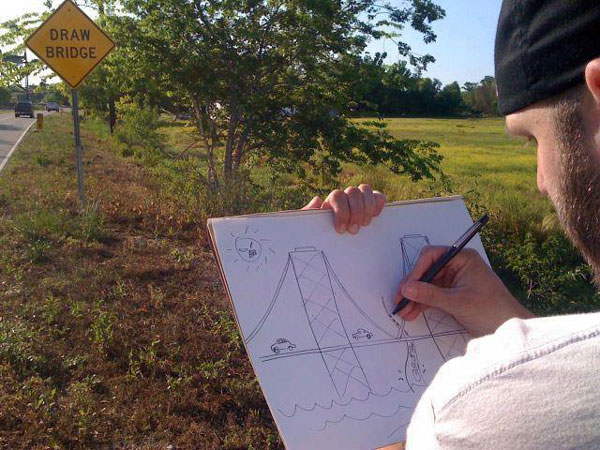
{"x": 314, "y": 310}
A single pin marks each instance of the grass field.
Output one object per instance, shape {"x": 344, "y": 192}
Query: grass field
{"x": 480, "y": 158}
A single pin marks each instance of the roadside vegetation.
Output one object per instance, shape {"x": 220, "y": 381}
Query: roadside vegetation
{"x": 114, "y": 332}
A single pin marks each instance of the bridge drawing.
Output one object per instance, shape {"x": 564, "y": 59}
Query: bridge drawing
{"x": 340, "y": 327}
{"x": 438, "y": 323}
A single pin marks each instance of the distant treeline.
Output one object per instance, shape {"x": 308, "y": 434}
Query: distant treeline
{"x": 395, "y": 90}
{"x": 38, "y": 94}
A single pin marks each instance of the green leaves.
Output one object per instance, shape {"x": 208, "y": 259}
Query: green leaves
{"x": 13, "y": 34}
{"x": 269, "y": 81}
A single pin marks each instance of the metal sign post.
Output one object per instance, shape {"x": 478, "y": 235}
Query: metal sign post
{"x": 72, "y": 45}
{"x": 78, "y": 147}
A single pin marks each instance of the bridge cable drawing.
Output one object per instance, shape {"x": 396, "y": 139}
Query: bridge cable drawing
{"x": 315, "y": 280}
{"x": 437, "y": 322}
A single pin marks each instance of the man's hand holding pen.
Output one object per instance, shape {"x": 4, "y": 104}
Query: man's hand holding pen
{"x": 467, "y": 288}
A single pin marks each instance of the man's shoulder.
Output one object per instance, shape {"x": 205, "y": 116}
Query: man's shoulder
{"x": 515, "y": 343}
{"x": 532, "y": 384}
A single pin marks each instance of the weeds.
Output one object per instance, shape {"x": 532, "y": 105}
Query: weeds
{"x": 91, "y": 223}
{"x": 18, "y": 347}
{"x": 42, "y": 230}
{"x": 52, "y": 309}
{"x": 38, "y": 249}
{"x": 42, "y": 160}
{"x": 101, "y": 328}
{"x": 41, "y": 225}
{"x": 144, "y": 362}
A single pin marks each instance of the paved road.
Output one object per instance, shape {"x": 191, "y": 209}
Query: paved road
{"x": 11, "y": 130}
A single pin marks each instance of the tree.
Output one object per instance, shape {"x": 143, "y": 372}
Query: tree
{"x": 58, "y": 93}
{"x": 367, "y": 90}
{"x": 482, "y": 97}
{"x": 4, "y": 96}
{"x": 271, "y": 79}
{"x": 13, "y": 33}
{"x": 450, "y": 99}
{"x": 429, "y": 90}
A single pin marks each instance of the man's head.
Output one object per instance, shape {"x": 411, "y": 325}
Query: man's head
{"x": 566, "y": 130}
{"x": 548, "y": 76}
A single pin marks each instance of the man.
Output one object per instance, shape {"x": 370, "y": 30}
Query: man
{"x": 526, "y": 383}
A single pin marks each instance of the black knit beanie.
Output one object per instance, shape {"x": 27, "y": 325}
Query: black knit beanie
{"x": 542, "y": 48}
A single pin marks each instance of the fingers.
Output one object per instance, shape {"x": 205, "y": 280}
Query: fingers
{"x": 428, "y": 294}
{"x": 353, "y": 207}
{"x": 338, "y": 202}
{"x": 369, "y": 204}
{"x": 315, "y": 203}
{"x": 412, "y": 311}
{"x": 357, "y": 209}
{"x": 379, "y": 202}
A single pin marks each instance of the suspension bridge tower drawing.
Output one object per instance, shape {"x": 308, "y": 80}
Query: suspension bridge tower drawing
{"x": 314, "y": 276}
{"x": 441, "y": 326}
{"x": 327, "y": 309}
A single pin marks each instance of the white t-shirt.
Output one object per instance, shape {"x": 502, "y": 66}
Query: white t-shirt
{"x": 533, "y": 384}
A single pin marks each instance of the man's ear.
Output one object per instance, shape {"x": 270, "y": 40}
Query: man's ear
{"x": 592, "y": 79}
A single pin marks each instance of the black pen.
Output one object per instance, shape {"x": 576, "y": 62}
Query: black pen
{"x": 445, "y": 258}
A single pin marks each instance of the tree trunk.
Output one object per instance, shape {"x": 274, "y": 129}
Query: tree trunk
{"x": 112, "y": 114}
{"x": 207, "y": 136}
{"x": 234, "y": 120}
{"x": 240, "y": 149}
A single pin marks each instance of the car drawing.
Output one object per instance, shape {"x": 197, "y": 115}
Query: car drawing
{"x": 282, "y": 345}
{"x": 361, "y": 333}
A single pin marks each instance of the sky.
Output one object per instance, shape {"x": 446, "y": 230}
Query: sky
{"x": 11, "y": 9}
{"x": 464, "y": 50}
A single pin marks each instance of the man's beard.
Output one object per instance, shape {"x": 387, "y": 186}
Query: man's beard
{"x": 578, "y": 202}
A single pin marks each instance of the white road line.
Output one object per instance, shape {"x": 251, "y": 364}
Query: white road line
{"x": 11, "y": 117}
{"x": 3, "y": 163}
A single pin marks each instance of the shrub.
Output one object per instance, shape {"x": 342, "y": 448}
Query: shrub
{"x": 137, "y": 129}
{"x": 552, "y": 274}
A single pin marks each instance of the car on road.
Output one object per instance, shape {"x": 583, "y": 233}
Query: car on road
{"x": 282, "y": 345}
{"x": 361, "y": 333}
{"x": 185, "y": 115}
{"x": 52, "y": 106}
{"x": 24, "y": 109}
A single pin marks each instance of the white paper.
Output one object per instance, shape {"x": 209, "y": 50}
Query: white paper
{"x": 313, "y": 307}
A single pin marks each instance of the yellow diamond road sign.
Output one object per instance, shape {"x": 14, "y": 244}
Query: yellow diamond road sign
{"x": 70, "y": 43}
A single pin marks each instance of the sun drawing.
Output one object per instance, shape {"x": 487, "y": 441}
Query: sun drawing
{"x": 250, "y": 249}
